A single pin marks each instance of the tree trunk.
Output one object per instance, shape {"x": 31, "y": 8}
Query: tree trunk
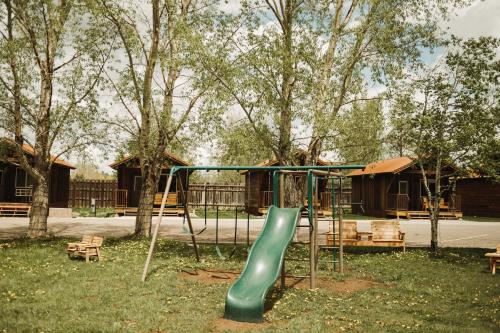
{"x": 39, "y": 209}
{"x": 146, "y": 202}
{"x": 434, "y": 228}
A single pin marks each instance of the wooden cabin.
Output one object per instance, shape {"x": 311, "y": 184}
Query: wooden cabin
{"x": 259, "y": 188}
{"x": 16, "y": 186}
{"x": 480, "y": 196}
{"x": 130, "y": 181}
{"x": 394, "y": 188}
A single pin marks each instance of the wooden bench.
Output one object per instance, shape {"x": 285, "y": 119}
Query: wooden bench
{"x": 350, "y": 233}
{"x": 494, "y": 259}
{"x": 90, "y": 246}
{"x": 387, "y": 233}
{"x": 171, "y": 199}
{"x": 14, "y": 209}
{"x": 442, "y": 204}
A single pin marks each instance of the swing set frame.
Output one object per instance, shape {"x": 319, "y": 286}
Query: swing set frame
{"x": 313, "y": 172}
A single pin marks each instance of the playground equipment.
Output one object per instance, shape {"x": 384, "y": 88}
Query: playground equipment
{"x": 266, "y": 258}
{"x": 245, "y": 298}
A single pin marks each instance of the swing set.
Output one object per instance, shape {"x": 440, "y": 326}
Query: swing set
{"x": 312, "y": 174}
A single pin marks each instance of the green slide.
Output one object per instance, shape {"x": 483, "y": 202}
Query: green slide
{"x": 245, "y": 298}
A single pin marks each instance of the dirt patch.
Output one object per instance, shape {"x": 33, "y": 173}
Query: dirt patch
{"x": 222, "y": 325}
{"x": 210, "y": 277}
{"x": 341, "y": 287}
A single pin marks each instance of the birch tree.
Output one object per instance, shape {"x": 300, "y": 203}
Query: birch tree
{"x": 455, "y": 116}
{"x": 50, "y": 68}
{"x": 158, "y": 85}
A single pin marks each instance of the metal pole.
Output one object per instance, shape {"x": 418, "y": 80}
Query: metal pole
{"x": 217, "y": 225}
{"x": 157, "y": 226}
{"x": 315, "y": 231}
{"x": 248, "y": 229}
{"x": 282, "y": 205}
{"x": 341, "y": 230}
{"x": 235, "y": 225}
{"x": 190, "y": 225}
{"x": 276, "y": 197}
{"x": 310, "y": 209}
{"x": 333, "y": 226}
{"x": 282, "y": 190}
{"x": 205, "y": 199}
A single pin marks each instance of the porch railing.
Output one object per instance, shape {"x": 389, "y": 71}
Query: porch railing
{"x": 25, "y": 191}
{"x": 326, "y": 199}
{"x": 455, "y": 203}
{"x": 121, "y": 198}
{"x": 398, "y": 201}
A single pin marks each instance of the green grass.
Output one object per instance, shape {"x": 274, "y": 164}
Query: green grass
{"x": 100, "y": 212}
{"x": 224, "y": 214}
{"x": 42, "y": 290}
{"x": 481, "y": 219}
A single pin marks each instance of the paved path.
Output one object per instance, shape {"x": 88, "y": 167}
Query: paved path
{"x": 451, "y": 233}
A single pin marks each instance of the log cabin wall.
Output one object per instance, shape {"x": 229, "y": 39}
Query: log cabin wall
{"x": 479, "y": 196}
{"x": 58, "y": 185}
{"x": 129, "y": 178}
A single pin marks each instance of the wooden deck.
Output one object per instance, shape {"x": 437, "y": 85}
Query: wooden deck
{"x": 14, "y": 209}
{"x": 132, "y": 211}
{"x": 421, "y": 214}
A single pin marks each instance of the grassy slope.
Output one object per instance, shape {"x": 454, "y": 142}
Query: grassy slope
{"x": 42, "y": 290}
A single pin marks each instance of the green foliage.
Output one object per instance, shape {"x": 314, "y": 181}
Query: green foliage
{"x": 412, "y": 292}
{"x": 449, "y": 113}
{"x": 237, "y": 146}
{"x": 292, "y": 70}
{"x": 361, "y": 133}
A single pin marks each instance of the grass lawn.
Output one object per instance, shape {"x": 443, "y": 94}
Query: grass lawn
{"x": 100, "y": 212}
{"x": 42, "y": 290}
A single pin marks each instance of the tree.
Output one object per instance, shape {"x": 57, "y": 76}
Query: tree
{"x": 50, "y": 68}
{"x": 364, "y": 41}
{"x": 399, "y": 136}
{"x": 455, "y": 115}
{"x": 360, "y": 136}
{"x": 293, "y": 66}
{"x": 159, "y": 86}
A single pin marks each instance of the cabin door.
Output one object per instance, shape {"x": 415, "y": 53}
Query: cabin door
{"x": 1, "y": 186}
{"x": 135, "y": 190}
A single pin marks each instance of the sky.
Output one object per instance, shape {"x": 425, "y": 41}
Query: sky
{"x": 481, "y": 18}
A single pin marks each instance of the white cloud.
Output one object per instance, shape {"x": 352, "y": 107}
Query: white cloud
{"x": 482, "y": 18}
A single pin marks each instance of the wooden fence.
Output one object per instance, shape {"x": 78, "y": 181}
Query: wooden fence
{"x": 106, "y": 193}
{"x": 216, "y": 195}
{"x": 82, "y": 191}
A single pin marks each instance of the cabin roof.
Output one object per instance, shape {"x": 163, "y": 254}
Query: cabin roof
{"x": 302, "y": 152}
{"x": 393, "y": 165}
{"x": 170, "y": 156}
{"x": 30, "y": 151}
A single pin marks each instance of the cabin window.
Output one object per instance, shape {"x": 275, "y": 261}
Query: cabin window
{"x": 137, "y": 183}
{"x": 21, "y": 178}
{"x": 403, "y": 187}
{"x": 432, "y": 187}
